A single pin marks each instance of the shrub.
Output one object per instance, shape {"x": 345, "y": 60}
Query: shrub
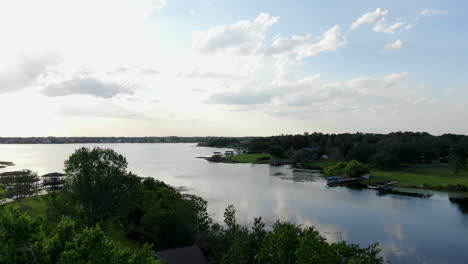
{"x": 355, "y": 168}
{"x": 335, "y": 170}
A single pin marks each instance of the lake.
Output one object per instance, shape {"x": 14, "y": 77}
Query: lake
{"x": 409, "y": 229}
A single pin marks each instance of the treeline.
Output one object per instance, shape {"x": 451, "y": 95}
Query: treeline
{"x": 100, "y": 193}
{"x": 76, "y": 140}
{"x": 19, "y": 184}
{"x": 384, "y": 149}
{"x": 225, "y": 142}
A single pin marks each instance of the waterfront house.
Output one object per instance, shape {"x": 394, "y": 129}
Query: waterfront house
{"x": 53, "y": 180}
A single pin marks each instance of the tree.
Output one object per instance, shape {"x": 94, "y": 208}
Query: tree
{"x": 335, "y": 170}
{"x": 99, "y": 182}
{"x": 2, "y": 192}
{"x": 385, "y": 160}
{"x": 280, "y": 244}
{"x": 458, "y": 156}
{"x": 20, "y": 184}
{"x": 276, "y": 151}
{"x": 20, "y": 237}
{"x": 355, "y": 169}
{"x": 361, "y": 152}
{"x": 170, "y": 219}
{"x": 91, "y": 246}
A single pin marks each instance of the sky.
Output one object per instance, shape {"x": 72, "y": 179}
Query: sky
{"x": 232, "y": 68}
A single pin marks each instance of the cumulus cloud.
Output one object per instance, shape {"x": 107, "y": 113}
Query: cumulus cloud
{"x": 432, "y": 12}
{"x": 363, "y": 94}
{"x": 389, "y": 29}
{"x": 25, "y": 70}
{"x": 248, "y": 38}
{"x": 86, "y": 86}
{"x": 310, "y": 96}
{"x": 393, "y": 46}
{"x": 370, "y": 17}
{"x": 305, "y": 46}
{"x": 243, "y": 37}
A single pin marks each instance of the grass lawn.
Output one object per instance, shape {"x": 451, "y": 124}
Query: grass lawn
{"x": 251, "y": 158}
{"x": 36, "y": 207}
{"x": 33, "y": 206}
{"x": 433, "y": 176}
{"x": 117, "y": 234}
{"x": 319, "y": 163}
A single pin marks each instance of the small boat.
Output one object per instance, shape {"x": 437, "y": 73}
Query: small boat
{"x": 337, "y": 181}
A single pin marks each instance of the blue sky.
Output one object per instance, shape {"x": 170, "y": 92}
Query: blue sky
{"x": 234, "y": 68}
{"x": 433, "y": 46}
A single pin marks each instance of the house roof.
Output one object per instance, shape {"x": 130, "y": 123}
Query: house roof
{"x": 53, "y": 174}
{"x": 192, "y": 255}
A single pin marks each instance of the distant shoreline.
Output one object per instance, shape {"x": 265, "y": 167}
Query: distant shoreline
{"x": 94, "y": 140}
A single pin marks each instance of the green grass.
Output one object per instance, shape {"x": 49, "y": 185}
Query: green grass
{"x": 251, "y": 158}
{"x": 432, "y": 176}
{"x": 318, "y": 163}
{"x": 33, "y": 206}
{"x": 117, "y": 234}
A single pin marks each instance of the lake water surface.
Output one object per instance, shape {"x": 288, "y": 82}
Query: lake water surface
{"x": 409, "y": 229}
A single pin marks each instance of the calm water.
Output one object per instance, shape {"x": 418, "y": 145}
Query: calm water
{"x": 410, "y": 230}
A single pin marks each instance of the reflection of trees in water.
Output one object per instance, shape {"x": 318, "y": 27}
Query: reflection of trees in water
{"x": 462, "y": 204}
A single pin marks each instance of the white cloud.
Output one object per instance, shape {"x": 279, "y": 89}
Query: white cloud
{"x": 103, "y": 110}
{"x": 195, "y": 73}
{"x": 242, "y": 97}
{"x": 243, "y": 37}
{"x": 370, "y": 17}
{"x": 389, "y": 29}
{"x": 25, "y": 71}
{"x": 393, "y": 46}
{"x": 86, "y": 86}
{"x": 248, "y": 38}
{"x": 432, "y": 12}
{"x": 305, "y": 46}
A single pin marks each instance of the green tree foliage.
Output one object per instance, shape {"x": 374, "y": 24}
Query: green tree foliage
{"x": 285, "y": 243}
{"x": 276, "y": 151}
{"x": 361, "y": 152}
{"x": 20, "y": 184}
{"x": 335, "y": 170}
{"x": 458, "y": 156}
{"x": 99, "y": 183}
{"x": 2, "y": 192}
{"x": 409, "y": 147}
{"x": 165, "y": 217}
{"x": 23, "y": 241}
{"x": 280, "y": 244}
{"x": 20, "y": 237}
{"x": 385, "y": 160}
{"x": 355, "y": 169}
{"x": 91, "y": 246}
